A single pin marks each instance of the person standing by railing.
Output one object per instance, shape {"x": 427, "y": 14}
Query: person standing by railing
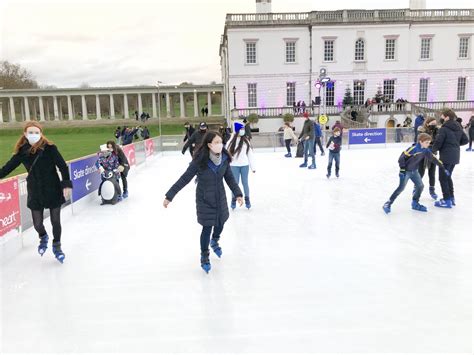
{"x": 41, "y": 159}
{"x": 123, "y": 162}
{"x": 307, "y": 137}
{"x": 288, "y": 136}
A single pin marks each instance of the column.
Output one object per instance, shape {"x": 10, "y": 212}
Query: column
{"x": 153, "y": 106}
{"x": 182, "y": 111}
{"x": 223, "y": 104}
{"x": 97, "y": 107}
{"x": 168, "y": 108}
{"x": 84, "y": 107}
{"x": 69, "y": 108}
{"x": 1, "y": 112}
{"x": 27, "y": 109}
{"x": 140, "y": 106}
{"x": 48, "y": 118}
{"x": 12, "y": 110}
{"x": 196, "y": 106}
{"x": 126, "y": 114}
{"x": 112, "y": 107}
{"x": 41, "y": 108}
{"x": 209, "y": 103}
{"x": 55, "y": 108}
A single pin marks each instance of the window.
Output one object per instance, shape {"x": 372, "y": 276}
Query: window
{"x": 291, "y": 52}
{"x": 328, "y": 50}
{"x": 290, "y": 94}
{"x": 461, "y": 88}
{"x": 423, "y": 94}
{"x": 390, "y": 49}
{"x": 425, "y": 48}
{"x": 251, "y": 52}
{"x": 252, "y": 94}
{"x": 330, "y": 93}
{"x": 359, "y": 49}
{"x": 463, "y": 47}
{"x": 389, "y": 89}
{"x": 359, "y": 92}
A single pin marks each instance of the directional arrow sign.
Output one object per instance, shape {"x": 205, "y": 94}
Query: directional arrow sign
{"x": 88, "y": 184}
{"x": 85, "y": 177}
{"x": 367, "y": 136}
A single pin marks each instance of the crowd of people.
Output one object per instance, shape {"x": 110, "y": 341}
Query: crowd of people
{"x": 126, "y": 135}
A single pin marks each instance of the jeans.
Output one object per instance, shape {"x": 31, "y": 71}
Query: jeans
{"x": 288, "y": 145}
{"x": 446, "y": 182}
{"x": 414, "y": 176}
{"x": 309, "y": 150}
{"x": 337, "y": 158}
{"x": 55, "y": 216}
{"x": 317, "y": 141}
{"x": 431, "y": 171}
{"x": 471, "y": 137}
{"x": 206, "y": 236}
{"x": 242, "y": 171}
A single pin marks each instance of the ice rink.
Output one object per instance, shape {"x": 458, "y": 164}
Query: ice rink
{"x": 314, "y": 266}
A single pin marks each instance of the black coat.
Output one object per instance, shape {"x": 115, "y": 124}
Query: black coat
{"x": 211, "y": 201}
{"x": 448, "y": 140}
{"x": 122, "y": 158}
{"x": 195, "y": 139}
{"x": 45, "y": 190}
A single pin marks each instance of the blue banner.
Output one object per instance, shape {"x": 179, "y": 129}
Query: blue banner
{"x": 85, "y": 177}
{"x": 367, "y": 136}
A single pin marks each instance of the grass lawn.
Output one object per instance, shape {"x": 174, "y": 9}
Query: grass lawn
{"x": 74, "y": 142}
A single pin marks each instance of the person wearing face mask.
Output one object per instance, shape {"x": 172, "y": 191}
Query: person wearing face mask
{"x": 41, "y": 159}
{"x": 195, "y": 140}
{"x": 243, "y": 161}
{"x": 108, "y": 161}
{"x": 189, "y": 132}
{"x": 334, "y": 145}
{"x": 211, "y": 164}
{"x": 429, "y": 127}
{"x": 124, "y": 165}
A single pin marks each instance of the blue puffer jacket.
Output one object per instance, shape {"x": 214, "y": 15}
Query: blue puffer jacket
{"x": 317, "y": 130}
{"x": 211, "y": 201}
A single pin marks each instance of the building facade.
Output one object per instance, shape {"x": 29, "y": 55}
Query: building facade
{"x": 274, "y": 59}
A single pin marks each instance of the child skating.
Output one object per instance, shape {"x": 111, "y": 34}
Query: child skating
{"x": 334, "y": 146}
{"x": 211, "y": 164}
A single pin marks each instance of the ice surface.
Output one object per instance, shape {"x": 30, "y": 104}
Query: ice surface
{"x": 314, "y": 266}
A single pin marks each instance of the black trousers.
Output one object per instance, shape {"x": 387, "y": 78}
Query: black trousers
{"x": 446, "y": 181}
{"x": 288, "y": 145}
{"x": 123, "y": 176}
{"x": 55, "y": 215}
{"x": 317, "y": 141}
{"x": 206, "y": 236}
{"x": 431, "y": 171}
{"x": 471, "y": 138}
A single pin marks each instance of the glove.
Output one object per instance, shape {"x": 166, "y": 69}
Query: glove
{"x": 447, "y": 172}
{"x": 121, "y": 168}
{"x": 182, "y": 152}
{"x": 402, "y": 174}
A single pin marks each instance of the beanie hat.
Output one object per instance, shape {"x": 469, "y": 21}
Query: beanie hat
{"x": 306, "y": 115}
{"x": 203, "y": 125}
{"x": 238, "y": 126}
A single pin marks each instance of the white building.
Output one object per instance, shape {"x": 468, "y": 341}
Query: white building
{"x": 274, "y": 59}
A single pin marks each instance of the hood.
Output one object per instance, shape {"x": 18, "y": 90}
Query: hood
{"x": 452, "y": 125}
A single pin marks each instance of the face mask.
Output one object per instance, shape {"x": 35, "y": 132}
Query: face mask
{"x": 242, "y": 133}
{"x": 217, "y": 148}
{"x": 33, "y": 138}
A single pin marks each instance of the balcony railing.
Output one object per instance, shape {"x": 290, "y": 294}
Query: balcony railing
{"x": 351, "y": 16}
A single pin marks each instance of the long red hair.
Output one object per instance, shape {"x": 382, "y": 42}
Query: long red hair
{"x": 39, "y": 145}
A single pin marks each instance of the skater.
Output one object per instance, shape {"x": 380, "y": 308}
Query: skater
{"x": 409, "y": 162}
{"x": 338, "y": 124}
{"x": 448, "y": 141}
{"x": 211, "y": 164}
{"x": 289, "y": 135}
{"x": 248, "y": 130}
{"x": 127, "y": 137}
{"x": 118, "y": 134}
{"x": 334, "y": 146}
{"x": 419, "y": 120}
{"x": 318, "y": 133}
{"x": 41, "y": 157}
{"x": 307, "y": 137}
{"x": 195, "y": 140}
{"x": 189, "y": 132}
{"x": 107, "y": 161}
{"x": 124, "y": 166}
{"x": 242, "y": 160}
{"x": 470, "y": 127}
{"x": 429, "y": 127}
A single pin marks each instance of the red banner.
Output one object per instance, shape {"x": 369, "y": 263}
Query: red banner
{"x": 9, "y": 206}
{"x": 129, "y": 151}
{"x": 149, "y": 147}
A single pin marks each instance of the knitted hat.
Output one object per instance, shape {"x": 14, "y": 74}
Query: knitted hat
{"x": 306, "y": 115}
{"x": 203, "y": 125}
{"x": 238, "y": 126}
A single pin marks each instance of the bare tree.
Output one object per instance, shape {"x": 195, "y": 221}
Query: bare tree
{"x": 13, "y": 76}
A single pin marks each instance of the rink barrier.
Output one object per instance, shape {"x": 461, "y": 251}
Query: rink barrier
{"x": 15, "y": 216}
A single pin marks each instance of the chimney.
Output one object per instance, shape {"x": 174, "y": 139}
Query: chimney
{"x": 417, "y": 4}
{"x": 264, "y": 6}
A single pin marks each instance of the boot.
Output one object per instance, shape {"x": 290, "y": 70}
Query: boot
{"x": 205, "y": 263}
{"x": 247, "y": 202}
{"x": 288, "y": 155}
{"x": 386, "y": 207}
{"x": 312, "y": 166}
{"x": 444, "y": 203}
{"x": 433, "y": 194}
{"x": 453, "y": 201}
{"x": 58, "y": 253}
{"x": 43, "y": 245}
{"x": 216, "y": 248}
{"x": 304, "y": 165}
{"x": 415, "y": 205}
{"x": 233, "y": 203}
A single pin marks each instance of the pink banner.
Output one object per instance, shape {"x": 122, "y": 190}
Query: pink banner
{"x": 9, "y": 206}
{"x": 149, "y": 147}
{"x": 129, "y": 151}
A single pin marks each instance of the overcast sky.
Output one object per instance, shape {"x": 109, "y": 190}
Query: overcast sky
{"x": 109, "y": 43}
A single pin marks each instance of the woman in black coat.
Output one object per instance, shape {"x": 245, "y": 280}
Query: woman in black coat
{"x": 124, "y": 166}
{"x": 211, "y": 164}
{"x": 448, "y": 141}
{"x": 41, "y": 158}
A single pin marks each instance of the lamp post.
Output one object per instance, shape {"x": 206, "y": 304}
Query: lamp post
{"x": 234, "y": 91}
{"x": 159, "y": 114}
